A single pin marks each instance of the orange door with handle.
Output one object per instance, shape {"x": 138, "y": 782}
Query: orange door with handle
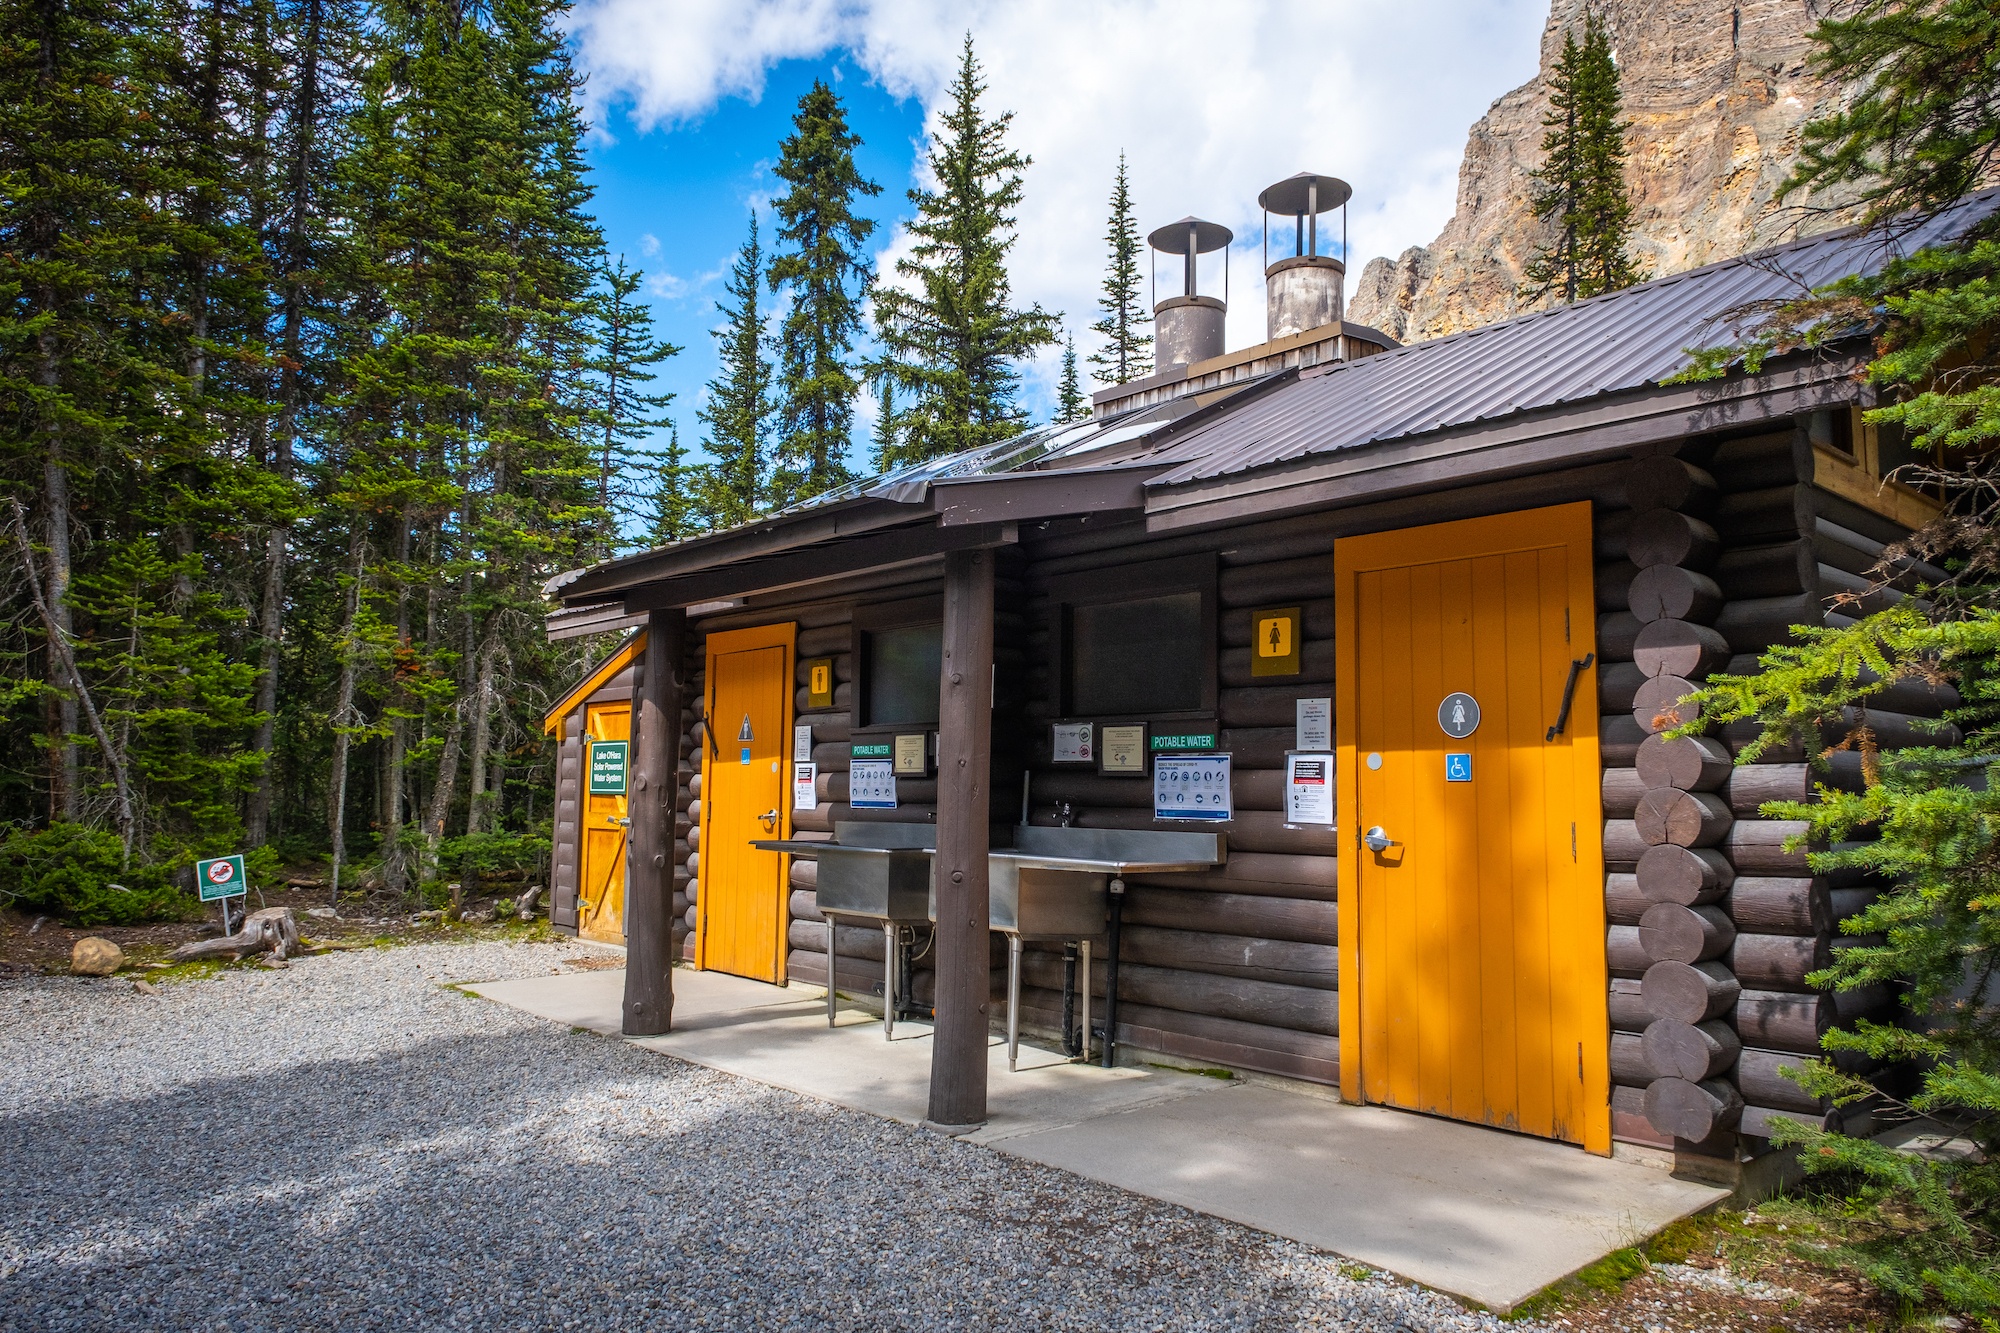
{"x": 746, "y": 796}
{"x": 600, "y": 904}
{"x": 1473, "y": 976}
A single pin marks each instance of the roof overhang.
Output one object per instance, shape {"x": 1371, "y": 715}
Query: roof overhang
{"x": 621, "y": 657}
{"x": 1522, "y": 444}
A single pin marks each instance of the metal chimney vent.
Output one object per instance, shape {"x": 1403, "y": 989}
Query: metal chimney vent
{"x": 1303, "y": 291}
{"x": 1188, "y": 327}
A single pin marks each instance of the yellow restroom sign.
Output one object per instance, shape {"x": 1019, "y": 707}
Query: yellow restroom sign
{"x": 1274, "y": 641}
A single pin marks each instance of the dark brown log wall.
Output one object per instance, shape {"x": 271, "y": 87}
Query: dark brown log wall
{"x": 1722, "y": 918}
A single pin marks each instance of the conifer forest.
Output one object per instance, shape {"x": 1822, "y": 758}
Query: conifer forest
{"x": 315, "y": 369}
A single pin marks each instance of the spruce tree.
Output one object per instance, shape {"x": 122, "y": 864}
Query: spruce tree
{"x": 627, "y": 351}
{"x": 735, "y": 484}
{"x": 823, "y": 259}
{"x": 1071, "y": 405}
{"x": 672, "y": 501}
{"x": 1126, "y": 352}
{"x": 952, "y": 339}
{"x": 1580, "y": 186}
{"x": 882, "y": 446}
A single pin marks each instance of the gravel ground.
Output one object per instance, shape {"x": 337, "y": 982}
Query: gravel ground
{"x": 352, "y": 1145}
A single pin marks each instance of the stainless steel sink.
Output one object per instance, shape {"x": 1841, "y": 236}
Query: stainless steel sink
{"x": 875, "y": 872}
{"x": 1052, "y": 884}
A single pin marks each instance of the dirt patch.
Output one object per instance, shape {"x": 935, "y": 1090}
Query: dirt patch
{"x": 1723, "y": 1271}
{"x": 594, "y": 963}
{"x": 32, "y": 944}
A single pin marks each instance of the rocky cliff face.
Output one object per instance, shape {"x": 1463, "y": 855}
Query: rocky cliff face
{"x": 1716, "y": 93}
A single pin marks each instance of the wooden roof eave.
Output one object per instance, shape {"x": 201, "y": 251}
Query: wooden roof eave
{"x": 621, "y": 657}
{"x": 1512, "y": 446}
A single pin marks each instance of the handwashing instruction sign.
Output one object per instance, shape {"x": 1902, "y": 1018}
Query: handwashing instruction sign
{"x": 1191, "y": 787}
{"x": 871, "y": 784}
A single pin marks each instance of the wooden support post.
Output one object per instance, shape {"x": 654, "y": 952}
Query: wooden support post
{"x": 649, "y": 880}
{"x": 965, "y": 752}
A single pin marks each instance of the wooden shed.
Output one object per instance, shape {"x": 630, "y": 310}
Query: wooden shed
{"x": 592, "y": 725}
{"x": 1463, "y": 584}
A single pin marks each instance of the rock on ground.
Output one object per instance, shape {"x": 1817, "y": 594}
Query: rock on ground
{"x": 94, "y": 956}
{"x": 352, "y": 1144}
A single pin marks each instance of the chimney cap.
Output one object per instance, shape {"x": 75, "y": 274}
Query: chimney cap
{"x": 1172, "y": 239}
{"x": 1293, "y": 195}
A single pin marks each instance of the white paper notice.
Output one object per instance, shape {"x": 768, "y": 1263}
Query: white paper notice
{"x": 1315, "y": 725}
{"x": 1191, "y": 786}
{"x": 871, "y": 784}
{"x": 1308, "y": 789}
{"x": 804, "y": 794}
{"x": 802, "y": 743}
{"x": 1072, "y": 743}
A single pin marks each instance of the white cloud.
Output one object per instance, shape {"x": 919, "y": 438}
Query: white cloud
{"x": 1209, "y": 102}
{"x": 649, "y": 246}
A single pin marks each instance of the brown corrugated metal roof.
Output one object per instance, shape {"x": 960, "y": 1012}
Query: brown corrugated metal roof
{"x": 1626, "y": 340}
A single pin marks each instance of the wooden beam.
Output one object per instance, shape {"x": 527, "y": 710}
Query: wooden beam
{"x": 965, "y": 753}
{"x": 649, "y": 880}
{"x": 816, "y": 564}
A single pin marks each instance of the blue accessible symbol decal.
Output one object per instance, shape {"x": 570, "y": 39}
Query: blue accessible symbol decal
{"x": 1458, "y": 768}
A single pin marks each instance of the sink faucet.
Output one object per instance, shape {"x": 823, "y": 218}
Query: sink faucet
{"x": 1065, "y": 815}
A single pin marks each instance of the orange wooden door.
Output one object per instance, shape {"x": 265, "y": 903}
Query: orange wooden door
{"x": 1473, "y": 973}
{"x": 600, "y": 903}
{"x": 745, "y": 796}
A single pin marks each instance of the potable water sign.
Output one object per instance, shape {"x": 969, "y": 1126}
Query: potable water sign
{"x": 221, "y": 877}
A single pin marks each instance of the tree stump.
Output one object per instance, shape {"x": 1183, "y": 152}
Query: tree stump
{"x": 272, "y": 930}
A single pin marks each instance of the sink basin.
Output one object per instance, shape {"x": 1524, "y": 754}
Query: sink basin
{"x": 881, "y": 871}
{"x": 1052, "y": 883}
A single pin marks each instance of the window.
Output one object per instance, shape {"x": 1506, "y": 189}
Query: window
{"x": 901, "y": 667}
{"x": 1142, "y": 656}
{"x": 1137, "y": 640}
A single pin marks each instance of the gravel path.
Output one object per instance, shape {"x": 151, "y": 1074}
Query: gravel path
{"x": 352, "y": 1145}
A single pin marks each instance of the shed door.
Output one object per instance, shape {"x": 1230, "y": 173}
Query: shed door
{"x": 600, "y": 904}
{"x": 1474, "y": 946}
{"x": 743, "y": 891}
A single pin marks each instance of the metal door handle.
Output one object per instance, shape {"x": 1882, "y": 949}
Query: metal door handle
{"x": 770, "y": 819}
{"x": 621, "y": 823}
{"x": 1577, "y": 667}
{"x": 1378, "y": 839}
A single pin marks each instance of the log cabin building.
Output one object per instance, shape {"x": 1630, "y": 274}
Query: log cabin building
{"x": 1473, "y": 577}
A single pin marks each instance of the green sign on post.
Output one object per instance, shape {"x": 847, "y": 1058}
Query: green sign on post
{"x": 221, "y": 878}
{"x": 607, "y": 768}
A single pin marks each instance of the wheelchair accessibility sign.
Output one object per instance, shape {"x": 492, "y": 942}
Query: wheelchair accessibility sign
{"x": 1458, "y": 768}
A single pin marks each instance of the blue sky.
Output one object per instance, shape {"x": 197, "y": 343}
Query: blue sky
{"x": 1209, "y": 103}
{"x": 676, "y": 201}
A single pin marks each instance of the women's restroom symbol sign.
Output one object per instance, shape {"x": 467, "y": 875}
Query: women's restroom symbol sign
{"x": 1458, "y": 715}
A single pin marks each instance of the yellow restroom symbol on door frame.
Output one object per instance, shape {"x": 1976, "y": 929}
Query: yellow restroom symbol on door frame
{"x": 822, "y": 678}
{"x": 1274, "y": 637}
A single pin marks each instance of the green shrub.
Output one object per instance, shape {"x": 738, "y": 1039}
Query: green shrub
{"x": 74, "y": 872}
{"x": 493, "y": 853}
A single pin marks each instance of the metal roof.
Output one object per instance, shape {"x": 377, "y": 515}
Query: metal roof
{"x": 1626, "y": 340}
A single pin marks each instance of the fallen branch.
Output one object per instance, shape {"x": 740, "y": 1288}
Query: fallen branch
{"x": 127, "y": 822}
{"x": 270, "y": 929}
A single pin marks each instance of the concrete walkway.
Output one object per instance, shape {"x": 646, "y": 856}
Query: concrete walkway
{"x": 1485, "y": 1215}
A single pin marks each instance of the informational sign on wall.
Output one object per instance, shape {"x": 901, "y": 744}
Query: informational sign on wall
{"x": 607, "y": 768}
{"x": 1071, "y": 743}
{"x": 1191, "y": 787}
{"x": 871, "y": 784}
{"x": 1315, "y": 724}
{"x": 805, "y": 795}
{"x": 911, "y": 760}
{"x": 1124, "y": 750}
{"x": 221, "y": 877}
{"x": 1309, "y": 789}
{"x": 802, "y": 743}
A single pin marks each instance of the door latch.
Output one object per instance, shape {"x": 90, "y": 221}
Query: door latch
{"x": 769, "y": 819}
{"x": 1378, "y": 839}
{"x": 1577, "y": 667}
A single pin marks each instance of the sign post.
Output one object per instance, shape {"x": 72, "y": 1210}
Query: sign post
{"x": 221, "y": 879}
